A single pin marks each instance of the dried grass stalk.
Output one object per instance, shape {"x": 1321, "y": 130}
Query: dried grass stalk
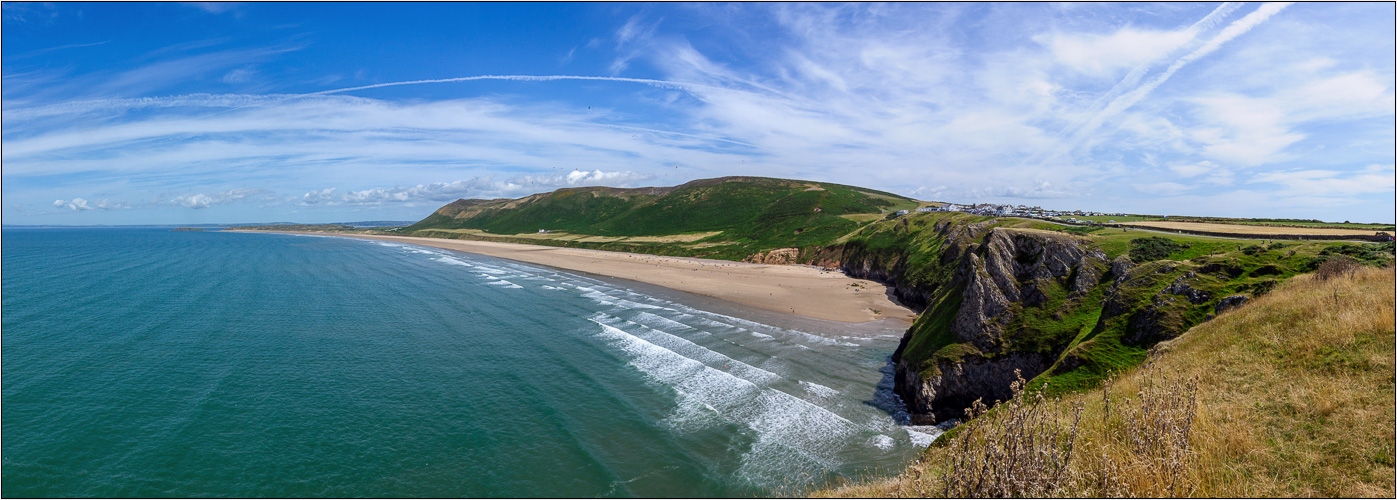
{"x": 1020, "y": 451}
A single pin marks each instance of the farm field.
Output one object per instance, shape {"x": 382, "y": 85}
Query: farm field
{"x": 1281, "y": 222}
{"x": 1260, "y": 231}
{"x": 1117, "y": 218}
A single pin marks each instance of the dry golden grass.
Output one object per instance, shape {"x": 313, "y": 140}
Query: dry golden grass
{"x": 1212, "y": 227}
{"x": 1291, "y": 395}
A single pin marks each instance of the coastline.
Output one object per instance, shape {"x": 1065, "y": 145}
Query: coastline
{"x": 804, "y": 291}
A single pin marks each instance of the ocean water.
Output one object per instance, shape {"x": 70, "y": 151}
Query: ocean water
{"x": 148, "y": 363}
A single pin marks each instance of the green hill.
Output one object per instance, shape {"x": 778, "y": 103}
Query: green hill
{"x": 737, "y": 215}
{"x": 1065, "y": 305}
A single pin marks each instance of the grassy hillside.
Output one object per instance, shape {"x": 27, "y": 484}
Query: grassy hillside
{"x": 1290, "y": 395}
{"x": 744, "y": 214}
{"x": 1070, "y": 327}
{"x": 1142, "y": 288}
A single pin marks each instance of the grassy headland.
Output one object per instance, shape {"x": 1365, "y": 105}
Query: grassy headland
{"x": 1292, "y": 396}
{"x": 1066, "y": 306}
{"x": 1082, "y": 329}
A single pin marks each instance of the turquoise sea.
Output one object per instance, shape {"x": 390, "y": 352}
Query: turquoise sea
{"x": 148, "y": 363}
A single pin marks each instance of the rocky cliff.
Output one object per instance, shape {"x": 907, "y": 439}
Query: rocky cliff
{"x": 995, "y": 300}
{"x": 999, "y": 274}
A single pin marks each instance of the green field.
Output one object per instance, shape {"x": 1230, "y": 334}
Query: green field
{"x": 1374, "y": 226}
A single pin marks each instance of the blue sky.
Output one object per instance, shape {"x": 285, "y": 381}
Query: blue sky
{"x": 315, "y": 112}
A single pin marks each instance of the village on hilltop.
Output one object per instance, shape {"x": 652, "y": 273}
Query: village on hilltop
{"x": 1034, "y": 212}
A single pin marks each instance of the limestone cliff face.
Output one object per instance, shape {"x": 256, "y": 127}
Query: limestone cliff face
{"x": 996, "y": 299}
{"x": 1000, "y": 272}
{"x": 886, "y": 269}
{"x": 779, "y": 256}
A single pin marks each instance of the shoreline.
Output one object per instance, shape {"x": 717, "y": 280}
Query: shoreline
{"x": 803, "y": 291}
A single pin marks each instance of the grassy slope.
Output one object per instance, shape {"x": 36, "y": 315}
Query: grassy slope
{"x": 1088, "y": 349}
{"x": 1295, "y": 398}
{"x": 753, "y": 214}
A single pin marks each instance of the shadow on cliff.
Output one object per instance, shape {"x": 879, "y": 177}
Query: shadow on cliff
{"x": 885, "y": 396}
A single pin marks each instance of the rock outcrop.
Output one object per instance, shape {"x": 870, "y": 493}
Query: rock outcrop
{"x": 779, "y": 256}
{"x": 1181, "y": 287}
{"x": 951, "y": 390}
{"x": 999, "y": 273}
{"x": 996, "y": 299}
{"x": 1230, "y": 302}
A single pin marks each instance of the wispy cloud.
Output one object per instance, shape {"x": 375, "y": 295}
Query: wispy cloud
{"x": 1086, "y": 105}
{"x": 1126, "y": 96}
{"x": 79, "y": 205}
{"x": 485, "y": 187}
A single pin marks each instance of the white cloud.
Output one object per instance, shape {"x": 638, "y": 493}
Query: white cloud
{"x": 321, "y": 197}
{"x": 1194, "y": 169}
{"x": 1105, "y": 55}
{"x": 1162, "y": 188}
{"x": 215, "y": 7}
{"x": 78, "y": 204}
{"x": 1037, "y": 190}
{"x": 105, "y": 204}
{"x": 201, "y": 200}
{"x": 1021, "y": 101}
{"x": 927, "y": 193}
{"x": 1244, "y": 130}
{"x": 1128, "y": 95}
{"x": 487, "y": 187}
{"x": 597, "y": 177}
{"x": 1317, "y": 182}
{"x": 240, "y": 75}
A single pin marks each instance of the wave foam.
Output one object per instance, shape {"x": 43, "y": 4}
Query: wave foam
{"x": 792, "y": 434}
{"x": 922, "y": 435}
{"x": 818, "y": 390}
{"x": 882, "y": 442}
{"x": 452, "y": 261}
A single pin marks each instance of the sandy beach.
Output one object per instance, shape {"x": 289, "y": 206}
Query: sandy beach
{"x": 801, "y": 290}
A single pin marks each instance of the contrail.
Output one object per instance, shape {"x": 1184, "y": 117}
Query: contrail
{"x": 88, "y": 106}
{"x": 1123, "y": 102}
{"x": 1208, "y": 21}
{"x": 667, "y": 132}
{"x": 533, "y": 78}
{"x": 1130, "y": 80}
